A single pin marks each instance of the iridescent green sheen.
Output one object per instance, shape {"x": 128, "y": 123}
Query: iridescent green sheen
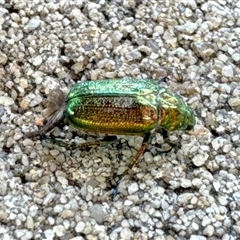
{"x": 122, "y": 106}
{"x": 126, "y": 106}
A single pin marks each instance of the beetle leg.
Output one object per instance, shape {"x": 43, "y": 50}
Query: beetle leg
{"x": 72, "y": 145}
{"x": 132, "y": 163}
{"x": 165, "y": 134}
{"x": 167, "y": 140}
{"x": 140, "y": 151}
{"x": 54, "y": 119}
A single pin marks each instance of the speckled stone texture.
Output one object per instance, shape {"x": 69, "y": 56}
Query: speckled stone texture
{"x": 50, "y": 192}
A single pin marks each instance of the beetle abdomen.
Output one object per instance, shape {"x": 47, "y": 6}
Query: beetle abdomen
{"x": 111, "y": 114}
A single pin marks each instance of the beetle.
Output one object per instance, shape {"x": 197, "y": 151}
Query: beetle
{"x": 123, "y": 106}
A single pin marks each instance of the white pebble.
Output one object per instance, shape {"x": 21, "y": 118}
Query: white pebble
{"x": 185, "y": 197}
{"x": 80, "y": 227}
{"x": 185, "y": 183}
{"x": 38, "y": 80}
{"x": 30, "y": 222}
{"x": 3, "y": 58}
{"x": 126, "y": 234}
{"x": 49, "y": 234}
{"x": 128, "y": 203}
{"x": 25, "y": 161}
{"x": 198, "y": 160}
{"x": 236, "y": 57}
{"x": 216, "y": 185}
{"x": 227, "y": 71}
{"x": 227, "y": 147}
{"x": 28, "y": 142}
{"x": 49, "y": 198}
{"x": 37, "y": 61}
{"x": 133, "y": 188}
{"x": 59, "y": 230}
{"x": 32, "y": 24}
{"x": 58, "y": 208}
{"x": 6, "y": 101}
{"x": 116, "y": 36}
{"x": 197, "y": 237}
{"x": 144, "y": 217}
{"x": 205, "y": 221}
{"x": 78, "y": 238}
{"x": 223, "y": 200}
{"x": 234, "y": 102}
{"x": 54, "y": 152}
{"x": 208, "y": 231}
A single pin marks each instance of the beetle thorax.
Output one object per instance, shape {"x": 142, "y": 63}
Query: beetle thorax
{"x": 170, "y": 117}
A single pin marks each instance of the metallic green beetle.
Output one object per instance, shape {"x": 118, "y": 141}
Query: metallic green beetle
{"x": 123, "y": 106}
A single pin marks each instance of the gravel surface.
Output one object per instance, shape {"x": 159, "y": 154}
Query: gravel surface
{"x": 50, "y": 192}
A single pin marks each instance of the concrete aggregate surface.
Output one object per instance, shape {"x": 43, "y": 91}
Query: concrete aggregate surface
{"x": 48, "y": 191}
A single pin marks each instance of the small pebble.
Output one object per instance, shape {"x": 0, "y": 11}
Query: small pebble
{"x": 3, "y": 58}
{"x": 80, "y": 227}
{"x": 144, "y": 217}
{"x": 98, "y": 212}
{"x": 37, "y": 61}
{"x": 227, "y": 71}
{"x": 59, "y": 230}
{"x": 198, "y": 160}
{"x": 28, "y": 142}
{"x": 67, "y": 214}
{"x": 208, "y": 231}
{"x": 185, "y": 197}
{"x": 126, "y": 233}
{"x": 116, "y": 36}
{"x": 133, "y": 188}
{"x": 6, "y": 101}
